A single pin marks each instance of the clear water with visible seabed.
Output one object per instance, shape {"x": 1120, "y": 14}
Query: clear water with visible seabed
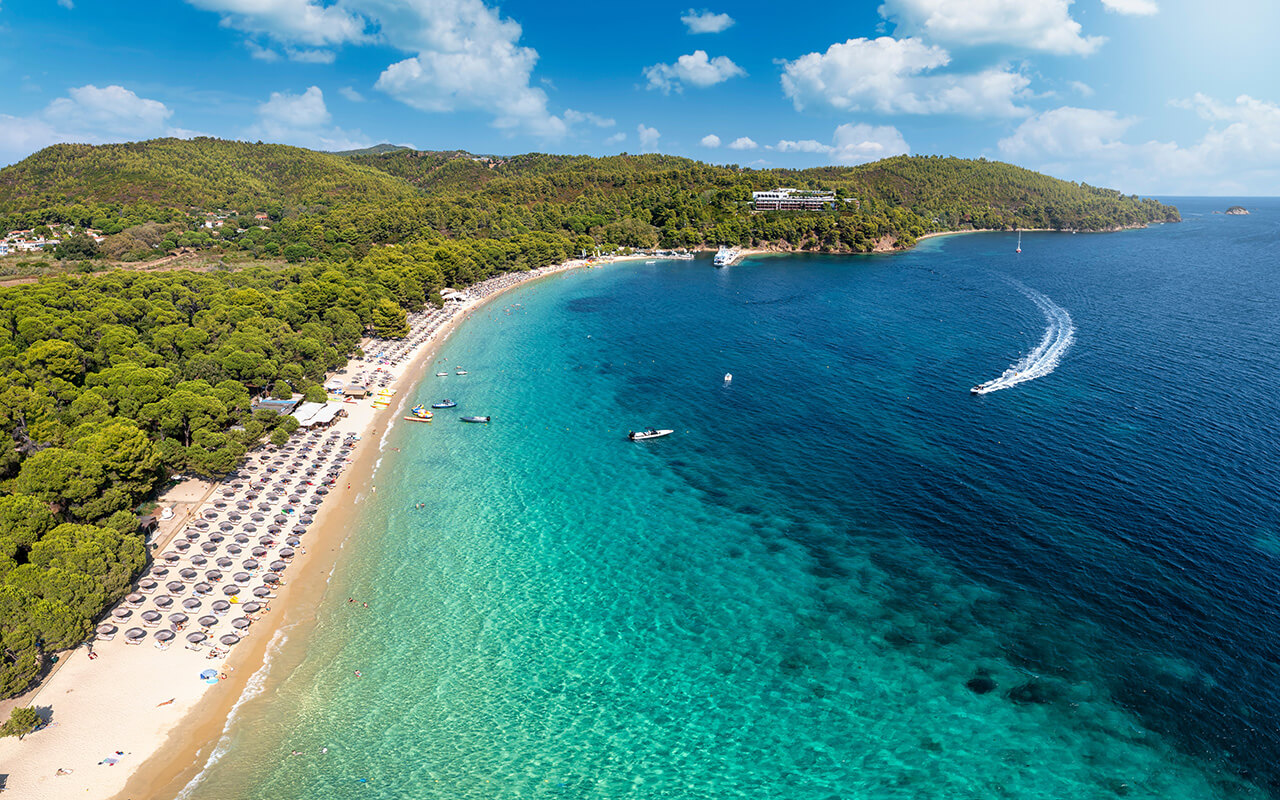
{"x": 844, "y": 576}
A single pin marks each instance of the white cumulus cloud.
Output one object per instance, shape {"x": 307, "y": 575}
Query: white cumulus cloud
{"x": 859, "y": 143}
{"x": 648, "y": 137}
{"x": 1238, "y": 153}
{"x": 802, "y": 146}
{"x": 694, "y": 69}
{"x": 616, "y": 138}
{"x": 351, "y": 94}
{"x": 889, "y": 76}
{"x": 710, "y": 140}
{"x": 577, "y": 117}
{"x": 462, "y": 55}
{"x": 1033, "y": 24}
{"x": 113, "y": 110}
{"x": 852, "y": 143}
{"x": 297, "y": 21}
{"x": 1139, "y": 8}
{"x": 743, "y": 143}
{"x": 88, "y": 114}
{"x": 705, "y": 21}
{"x": 303, "y": 120}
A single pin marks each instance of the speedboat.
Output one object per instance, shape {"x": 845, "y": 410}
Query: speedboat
{"x": 728, "y": 377}
{"x": 648, "y": 433}
{"x": 442, "y": 374}
{"x": 461, "y": 372}
{"x": 444, "y": 404}
{"x": 475, "y": 419}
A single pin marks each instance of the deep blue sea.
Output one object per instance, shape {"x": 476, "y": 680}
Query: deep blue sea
{"x": 844, "y": 576}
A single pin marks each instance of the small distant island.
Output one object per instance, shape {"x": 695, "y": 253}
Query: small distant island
{"x": 1238, "y": 211}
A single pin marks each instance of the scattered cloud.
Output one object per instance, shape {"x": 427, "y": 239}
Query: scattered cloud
{"x": 291, "y": 21}
{"x": 1082, "y": 89}
{"x": 67, "y": 4}
{"x": 113, "y": 110}
{"x": 1140, "y": 8}
{"x": 261, "y": 53}
{"x": 705, "y": 21}
{"x": 311, "y": 56}
{"x": 648, "y": 137}
{"x": 351, "y": 94}
{"x": 578, "y": 117}
{"x": 743, "y": 143}
{"x": 303, "y": 120}
{"x": 710, "y": 140}
{"x": 616, "y": 138}
{"x": 887, "y": 75}
{"x": 464, "y": 55}
{"x": 859, "y": 143}
{"x": 802, "y": 146}
{"x": 852, "y": 143}
{"x": 1239, "y": 153}
{"x": 1033, "y": 24}
{"x": 695, "y": 69}
{"x": 87, "y": 114}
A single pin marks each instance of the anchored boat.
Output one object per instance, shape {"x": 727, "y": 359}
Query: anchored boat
{"x": 648, "y": 433}
{"x": 475, "y": 419}
{"x": 444, "y": 404}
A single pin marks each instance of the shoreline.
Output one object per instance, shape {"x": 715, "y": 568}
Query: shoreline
{"x": 144, "y": 706}
{"x": 179, "y": 761}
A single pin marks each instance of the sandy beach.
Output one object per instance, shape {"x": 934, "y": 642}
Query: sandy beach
{"x": 131, "y": 716}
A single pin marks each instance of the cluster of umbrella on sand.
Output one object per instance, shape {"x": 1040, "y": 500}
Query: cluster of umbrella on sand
{"x": 219, "y": 574}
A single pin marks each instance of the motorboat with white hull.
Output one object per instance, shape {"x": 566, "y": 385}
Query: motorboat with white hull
{"x": 726, "y": 256}
{"x": 648, "y": 433}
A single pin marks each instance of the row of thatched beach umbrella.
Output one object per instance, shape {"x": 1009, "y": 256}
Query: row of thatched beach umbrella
{"x": 201, "y": 557}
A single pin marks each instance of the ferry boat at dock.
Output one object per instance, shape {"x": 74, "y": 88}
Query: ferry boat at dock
{"x": 726, "y": 256}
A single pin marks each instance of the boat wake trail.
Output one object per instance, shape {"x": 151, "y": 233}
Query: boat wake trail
{"x": 1057, "y": 339}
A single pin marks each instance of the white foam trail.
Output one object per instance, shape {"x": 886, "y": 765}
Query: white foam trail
{"x": 254, "y": 687}
{"x": 1058, "y": 336}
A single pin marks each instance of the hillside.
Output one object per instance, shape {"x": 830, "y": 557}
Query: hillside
{"x": 178, "y": 173}
{"x": 340, "y": 206}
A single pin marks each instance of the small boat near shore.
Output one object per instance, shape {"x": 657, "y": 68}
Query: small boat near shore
{"x": 442, "y": 374}
{"x": 460, "y": 372}
{"x": 648, "y": 433}
{"x": 474, "y": 419}
{"x": 725, "y": 256}
{"x": 444, "y": 404}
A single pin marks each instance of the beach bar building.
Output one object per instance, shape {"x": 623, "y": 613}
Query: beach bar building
{"x": 783, "y": 199}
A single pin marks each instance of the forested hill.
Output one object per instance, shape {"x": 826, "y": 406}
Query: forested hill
{"x": 182, "y": 174}
{"x": 115, "y": 381}
{"x": 325, "y": 204}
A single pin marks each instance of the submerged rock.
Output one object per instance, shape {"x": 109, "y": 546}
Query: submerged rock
{"x": 981, "y": 683}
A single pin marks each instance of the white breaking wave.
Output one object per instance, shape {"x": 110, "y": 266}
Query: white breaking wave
{"x": 1057, "y": 339}
{"x": 254, "y": 687}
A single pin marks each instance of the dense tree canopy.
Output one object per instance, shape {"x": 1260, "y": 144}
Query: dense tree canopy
{"x": 113, "y": 382}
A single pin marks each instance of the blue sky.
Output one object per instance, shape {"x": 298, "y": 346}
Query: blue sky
{"x": 1148, "y": 96}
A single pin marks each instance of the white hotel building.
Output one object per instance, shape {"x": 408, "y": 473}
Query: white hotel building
{"x": 782, "y": 199}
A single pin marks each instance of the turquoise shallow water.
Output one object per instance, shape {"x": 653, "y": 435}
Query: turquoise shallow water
{"x": 843, "y": 576}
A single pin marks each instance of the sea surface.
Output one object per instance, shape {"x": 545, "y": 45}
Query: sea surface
{"x": 844, "y": 575}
